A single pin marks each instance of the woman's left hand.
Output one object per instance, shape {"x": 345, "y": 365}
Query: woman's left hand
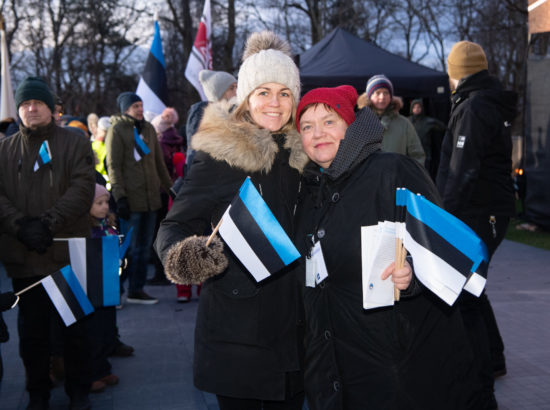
{"x": 401, "y": 277}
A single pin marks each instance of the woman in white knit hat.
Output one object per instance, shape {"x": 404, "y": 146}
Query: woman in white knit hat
{"x": 248, "y": 334}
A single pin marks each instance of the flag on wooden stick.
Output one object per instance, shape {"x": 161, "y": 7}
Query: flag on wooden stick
{"x": 67, "y": 295}
{"x": 254, "y": 235}
{"x": 446, "y": 252}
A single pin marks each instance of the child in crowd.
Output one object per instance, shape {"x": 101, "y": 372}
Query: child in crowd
{"x": 104, "y": 329}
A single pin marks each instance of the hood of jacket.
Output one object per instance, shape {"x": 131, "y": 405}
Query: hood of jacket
{"x": 483, "y": 84}
{"x": 241, "y": 144}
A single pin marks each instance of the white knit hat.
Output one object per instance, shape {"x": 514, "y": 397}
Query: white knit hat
{"x": 215, "y": 83}
{"x": 266, "y": 59}
{"x": 104, "y": 123}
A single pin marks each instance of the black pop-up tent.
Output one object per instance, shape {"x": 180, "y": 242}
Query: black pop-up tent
{"x": 342, "y": 58}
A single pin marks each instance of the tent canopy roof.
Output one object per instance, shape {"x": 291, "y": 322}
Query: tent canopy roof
{"x": 342, "y": 58}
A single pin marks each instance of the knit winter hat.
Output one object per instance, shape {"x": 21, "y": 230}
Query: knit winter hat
{"x": 100, "y": 190}
{"x": 126, "y": 99}
{"x": 466, "y": 58}
{"x": 341, "y": 99}
{"x": 34, "y": 88}
{"x": 215, "y": 83}
{"x": 379, "y": 81}
{"x": 266, "y": 59}
{"x": 103, "y": 123}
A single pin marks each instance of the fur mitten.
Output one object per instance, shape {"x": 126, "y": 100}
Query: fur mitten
{"x": 191, "y": 262}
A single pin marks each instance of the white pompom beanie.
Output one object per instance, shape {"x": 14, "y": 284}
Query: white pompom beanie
{"x": 266, "y": 59}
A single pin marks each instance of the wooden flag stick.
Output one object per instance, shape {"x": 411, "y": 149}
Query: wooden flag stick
{"x": 214, "y": 232}
{"x": 28, "y": 287}
{"x": 399, "y": 263}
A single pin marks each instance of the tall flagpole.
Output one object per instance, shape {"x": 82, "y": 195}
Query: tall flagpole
{"x": 7, "y": 101}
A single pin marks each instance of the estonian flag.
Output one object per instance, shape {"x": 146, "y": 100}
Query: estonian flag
{"x": 44, "y": 155}
{"x": 446, "y": 252}
{"x": 95, "y": 261}
{"x": 152, "y": 87}
{"x": 254, "y": 235}
{"x": 140, "y": 147}
{"x": 67, "y": 295}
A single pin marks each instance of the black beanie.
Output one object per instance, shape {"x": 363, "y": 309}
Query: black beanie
{"x": 125, "y": 99}
{"x": 34, "y": 88}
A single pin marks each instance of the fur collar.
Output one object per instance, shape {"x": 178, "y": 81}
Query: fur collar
{"x": 243, "y": 145}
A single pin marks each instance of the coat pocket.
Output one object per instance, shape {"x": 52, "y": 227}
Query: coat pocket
{"x": 233, "y": 315}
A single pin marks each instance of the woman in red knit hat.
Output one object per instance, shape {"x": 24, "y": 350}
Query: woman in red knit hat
{"x": 411, "y": 355}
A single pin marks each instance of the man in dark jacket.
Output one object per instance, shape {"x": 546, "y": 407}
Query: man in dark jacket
{"x": 474, "y": 179}
{"x": 46, "y": 191}
{"x": 137, "y": 172}
{"x": 430, "y": 131}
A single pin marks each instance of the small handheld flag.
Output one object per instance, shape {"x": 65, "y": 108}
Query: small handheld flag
{"x": 66, "y": 294}
{"x": 125, "y": 244}
{"x": 254, "y": 235}
{"x": 44, "y": 156}
{"x": 446, "y": 252}
{"x": 140, "y": 147}
{"x": 95, "y": 261}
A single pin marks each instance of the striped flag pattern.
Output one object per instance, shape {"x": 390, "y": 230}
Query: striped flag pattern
{"x": 152, "y": 86}
{"x": 95, "y": 262}
{"x": 255, "y": 236}
{"x": 44, "y": 155}
{"x": 201, "y": 53}
{"x": 447, "y": 254}
{"x": 67, "y": 295}
{"x": 140, "y": 147}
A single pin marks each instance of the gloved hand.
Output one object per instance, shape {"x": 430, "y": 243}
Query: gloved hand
{"x": 7, "y": 300}
{"x": 123, "y": 208}
{"x": 190, "y": 261}
{"x": 35, "y": 234}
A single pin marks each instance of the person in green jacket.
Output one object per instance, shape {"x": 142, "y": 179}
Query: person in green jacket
{"x": 399, "y": 134}
{"x": 137, "y": 173}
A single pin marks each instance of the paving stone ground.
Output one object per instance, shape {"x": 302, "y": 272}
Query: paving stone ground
{"x": 159, "y": 375}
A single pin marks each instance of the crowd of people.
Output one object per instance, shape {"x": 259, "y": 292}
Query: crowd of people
{"x": 327, "y": 163}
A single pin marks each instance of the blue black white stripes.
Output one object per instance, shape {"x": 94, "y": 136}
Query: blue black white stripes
{"x": 65, "y": 292}
{"x": 152, "y": 86}
{"x": 95, "y": 262}
{"x": 255, "y": 236}
{"x": 44, "y": 155}
{"x": 448, "y": 256}
{"x": 140, "y": 147}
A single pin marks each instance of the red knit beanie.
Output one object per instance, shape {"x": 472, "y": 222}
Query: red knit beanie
{"x": 341, "y": 99}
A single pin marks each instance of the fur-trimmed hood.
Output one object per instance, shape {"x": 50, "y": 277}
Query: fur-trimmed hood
{"x": 241, "y": 144}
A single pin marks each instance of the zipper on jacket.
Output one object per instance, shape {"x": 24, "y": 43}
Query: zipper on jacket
{"x": 51, "y": 178}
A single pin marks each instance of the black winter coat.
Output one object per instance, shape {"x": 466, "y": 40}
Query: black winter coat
{"x": 248, "y": 335}
{"x": 475, "y": 171}
{"x": 414, "y": 355}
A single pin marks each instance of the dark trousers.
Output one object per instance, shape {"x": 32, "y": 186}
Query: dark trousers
{"x": 140, "y": 247}
{"x": 103, "y": 334}
{"x": 38, "y": 324}
{"x": 229, "y": 403}
{"x": 479, "y": 318}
